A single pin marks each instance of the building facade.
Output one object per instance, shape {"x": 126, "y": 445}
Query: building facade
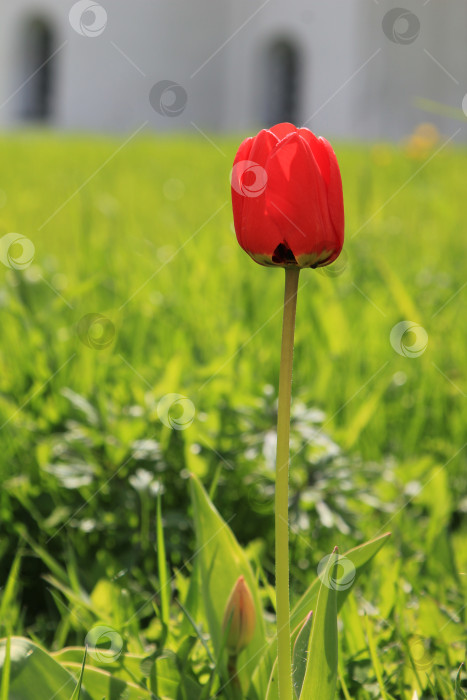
{"x": 364, "y": 69}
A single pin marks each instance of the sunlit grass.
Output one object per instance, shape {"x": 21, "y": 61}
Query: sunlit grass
{"x": 147, "y": 241}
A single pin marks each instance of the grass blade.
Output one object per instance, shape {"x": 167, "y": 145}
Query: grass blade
{"x": 460, "y": 693}
{"x": 164, "y": 582}
{"x": 7, "y": 605}
{"x": 77, "y": 691}
{"x": 5, "y": 688}
{"x": 375, "y": 661}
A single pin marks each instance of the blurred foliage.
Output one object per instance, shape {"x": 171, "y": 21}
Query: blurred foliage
{"x": 378, "y": 439}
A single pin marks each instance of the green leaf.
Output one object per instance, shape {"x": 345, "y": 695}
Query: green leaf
{"x": 133, "y": 669}
{"x": 6, "y": 668}
{"x": 222, "y": 561}
{"x": 164, "y": 582}
{"x": 32, "y": 667}
{"x": 77, "y": 691}
{"x": 300, "y": 654}
{"x": 460, "y": 693}
{"x": 360, "y": 557}
{"x": 272, "y": 692}
{"x": 126, "y": 666}
{"x": 101, "y": 684}
{"x": 7, "y": 605}
{"x": 321, "y": 669}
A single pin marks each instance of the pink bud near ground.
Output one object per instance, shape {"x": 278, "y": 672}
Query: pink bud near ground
{"x": 287, "y": 198}
{"x": 239, "y": 618}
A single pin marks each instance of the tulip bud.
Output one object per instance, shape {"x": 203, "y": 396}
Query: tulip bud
{"x": 287, "y": 198}
{"x": 239, "y": 618}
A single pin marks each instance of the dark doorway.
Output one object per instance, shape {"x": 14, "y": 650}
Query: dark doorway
{"x": 38, "y": 70}
{"x": 282, "y": 83}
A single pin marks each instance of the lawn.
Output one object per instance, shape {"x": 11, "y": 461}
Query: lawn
{"x": 138, "y": 290}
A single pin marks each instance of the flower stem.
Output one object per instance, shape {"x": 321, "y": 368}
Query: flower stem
{"x": 284, "y": 661}
{"x": 234, "y": 682}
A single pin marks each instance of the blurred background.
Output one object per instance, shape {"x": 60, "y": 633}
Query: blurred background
{"x": 350, "y": 69}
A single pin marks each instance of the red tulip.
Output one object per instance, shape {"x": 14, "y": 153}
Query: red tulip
{"x": 287, "y": 198}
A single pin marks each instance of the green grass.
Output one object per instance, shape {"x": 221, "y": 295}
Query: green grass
{"x": 148, "y": 242}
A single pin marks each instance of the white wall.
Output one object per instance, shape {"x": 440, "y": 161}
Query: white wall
{"x": 356, "y": 82}
{"x": 97, "y": 87}
{"x": 389, "y": 88}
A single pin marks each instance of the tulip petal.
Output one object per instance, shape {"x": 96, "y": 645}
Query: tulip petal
{"x": 297, "y": 200}
{"x": 244, "y": 149}
{"x": 262, "y": 146}
{"x": 259, "y": 234}
{"x": 335, "y": 195}
{"x": 284, "y": 129}
{"x": 238, "y": 199}
{"x": 319, "y": 151}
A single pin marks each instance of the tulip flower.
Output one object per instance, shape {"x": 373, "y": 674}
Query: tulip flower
{"x": 239, "y": 618}
{"x": 287, "y": 198}
{"x": 288, "y": 212}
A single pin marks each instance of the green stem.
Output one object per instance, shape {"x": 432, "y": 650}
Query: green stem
{"x": 284, "y": 661}
{"x": 234, "y": 681}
